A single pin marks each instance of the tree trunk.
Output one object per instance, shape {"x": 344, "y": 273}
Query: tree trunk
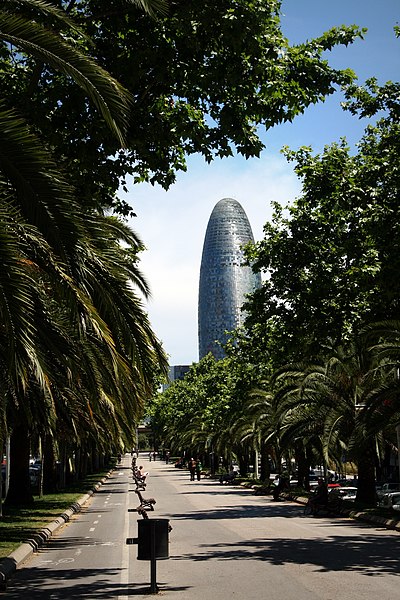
{"x": 19, "y": 492}
{"x": 366, "y": 492}
{"x": 264, "y": 455}
{"x": 303, "y": 466}
{"x": 243, "y": 460}
{"x": 96, "y": 460}
{"x": 62, "y": 466}
{"x": 84, "y": 462}
{"x": 49, "y": 466}
{"x": 1, "y": 474}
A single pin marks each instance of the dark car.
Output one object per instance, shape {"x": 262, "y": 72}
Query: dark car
{"x": 34, "y": 472}
{"x": 387, "y": 488}
{"x": 347, "y": 482}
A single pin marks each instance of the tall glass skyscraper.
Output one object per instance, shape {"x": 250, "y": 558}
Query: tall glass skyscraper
{"x": 224, "y": 281}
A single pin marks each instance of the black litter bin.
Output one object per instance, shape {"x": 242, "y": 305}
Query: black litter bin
{"x": 153, "y": 533}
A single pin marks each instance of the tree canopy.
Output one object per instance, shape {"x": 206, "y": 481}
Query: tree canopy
{"x": 202, "y": 78}
{"x": 332, "y": 257}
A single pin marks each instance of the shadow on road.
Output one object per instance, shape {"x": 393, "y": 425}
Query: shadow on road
{"x": 242, "y": 512}
{"x": 80, "y": 583}
{"x": 370, "y": 555}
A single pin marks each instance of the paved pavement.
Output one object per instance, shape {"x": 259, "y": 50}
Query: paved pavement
{"x": 225, "y": 543}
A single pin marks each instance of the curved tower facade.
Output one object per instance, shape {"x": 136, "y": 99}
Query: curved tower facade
{"x": 224, "y": 281}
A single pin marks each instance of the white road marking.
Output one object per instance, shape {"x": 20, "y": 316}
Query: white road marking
{"x": 125, "y": 552}
{"x": 65, "y": 560}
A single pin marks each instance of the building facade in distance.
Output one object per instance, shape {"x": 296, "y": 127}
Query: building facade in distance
{"x": 175, "y": 372}
{"x": 224, "y": 280}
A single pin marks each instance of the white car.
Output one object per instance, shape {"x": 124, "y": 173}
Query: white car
{"x": 346, "y": 493}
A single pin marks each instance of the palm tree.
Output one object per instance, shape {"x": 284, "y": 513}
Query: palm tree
{"x": 383, "y": 414}
{"x": 25, "y": 31}
{"x": 257, "y": 427}
{"x": 66, "y": 300}
{"x": 333, "y": 399}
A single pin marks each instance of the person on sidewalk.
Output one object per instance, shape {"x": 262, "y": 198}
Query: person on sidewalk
{"x": 192, "y": 468}
{"x": 320, "y": 497}
{"x": 198, "y": 470}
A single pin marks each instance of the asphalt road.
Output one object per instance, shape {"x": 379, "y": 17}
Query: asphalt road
{"x": 225, "y": 543}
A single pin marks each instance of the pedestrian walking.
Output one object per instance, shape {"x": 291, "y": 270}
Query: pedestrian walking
{"x": 198, "y": 470}
{"x": 192, "y": 468}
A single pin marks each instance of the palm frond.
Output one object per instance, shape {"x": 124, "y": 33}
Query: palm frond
{"x": 151, "y": 7}
{"x": 48, "y": 9}
{"x": 111, "y": 99}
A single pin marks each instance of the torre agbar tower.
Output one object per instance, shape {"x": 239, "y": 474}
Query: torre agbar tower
{"x": 224, "y": 281}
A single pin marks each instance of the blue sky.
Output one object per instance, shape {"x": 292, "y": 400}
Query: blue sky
{"x": 172, "y": 224}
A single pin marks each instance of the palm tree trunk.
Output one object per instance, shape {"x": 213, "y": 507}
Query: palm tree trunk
{"x": 1, "y": 473}
{"x": 49, "y": 466}
{"x": 264, "y": 455}
{"x": 303, "y": 466}
{"x": 62, "y": 474}
{"x": 366, "y": 492}
{"x": 19, "y": 492}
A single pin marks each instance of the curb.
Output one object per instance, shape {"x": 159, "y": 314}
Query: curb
{"x": 10, "y": 563}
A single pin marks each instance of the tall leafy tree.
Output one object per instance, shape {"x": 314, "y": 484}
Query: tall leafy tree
{"x": 202, "y": 79}
{"x": 331, "y": 258}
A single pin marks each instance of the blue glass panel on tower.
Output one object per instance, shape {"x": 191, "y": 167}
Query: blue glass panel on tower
{"x": 224, "y": 280}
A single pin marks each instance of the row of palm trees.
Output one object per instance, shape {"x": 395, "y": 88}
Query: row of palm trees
{"x": 78, "y": 357}
{"x": 343, "y": 409}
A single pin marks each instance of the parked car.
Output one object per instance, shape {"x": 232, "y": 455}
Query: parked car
{"x": 346, "y": 493}
{"x": 387, "y": 488}
{"x": 391, "y": 500}
{"x": 347, "y": 482}
{"x": 3, "y": 480}
{"x": 34, "y": 473}
{"x": 313, "y": 481}
{"x": 396, "y": 503}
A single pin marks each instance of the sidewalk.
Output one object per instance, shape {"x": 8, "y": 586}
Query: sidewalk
{"x": 9, "y": 564}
